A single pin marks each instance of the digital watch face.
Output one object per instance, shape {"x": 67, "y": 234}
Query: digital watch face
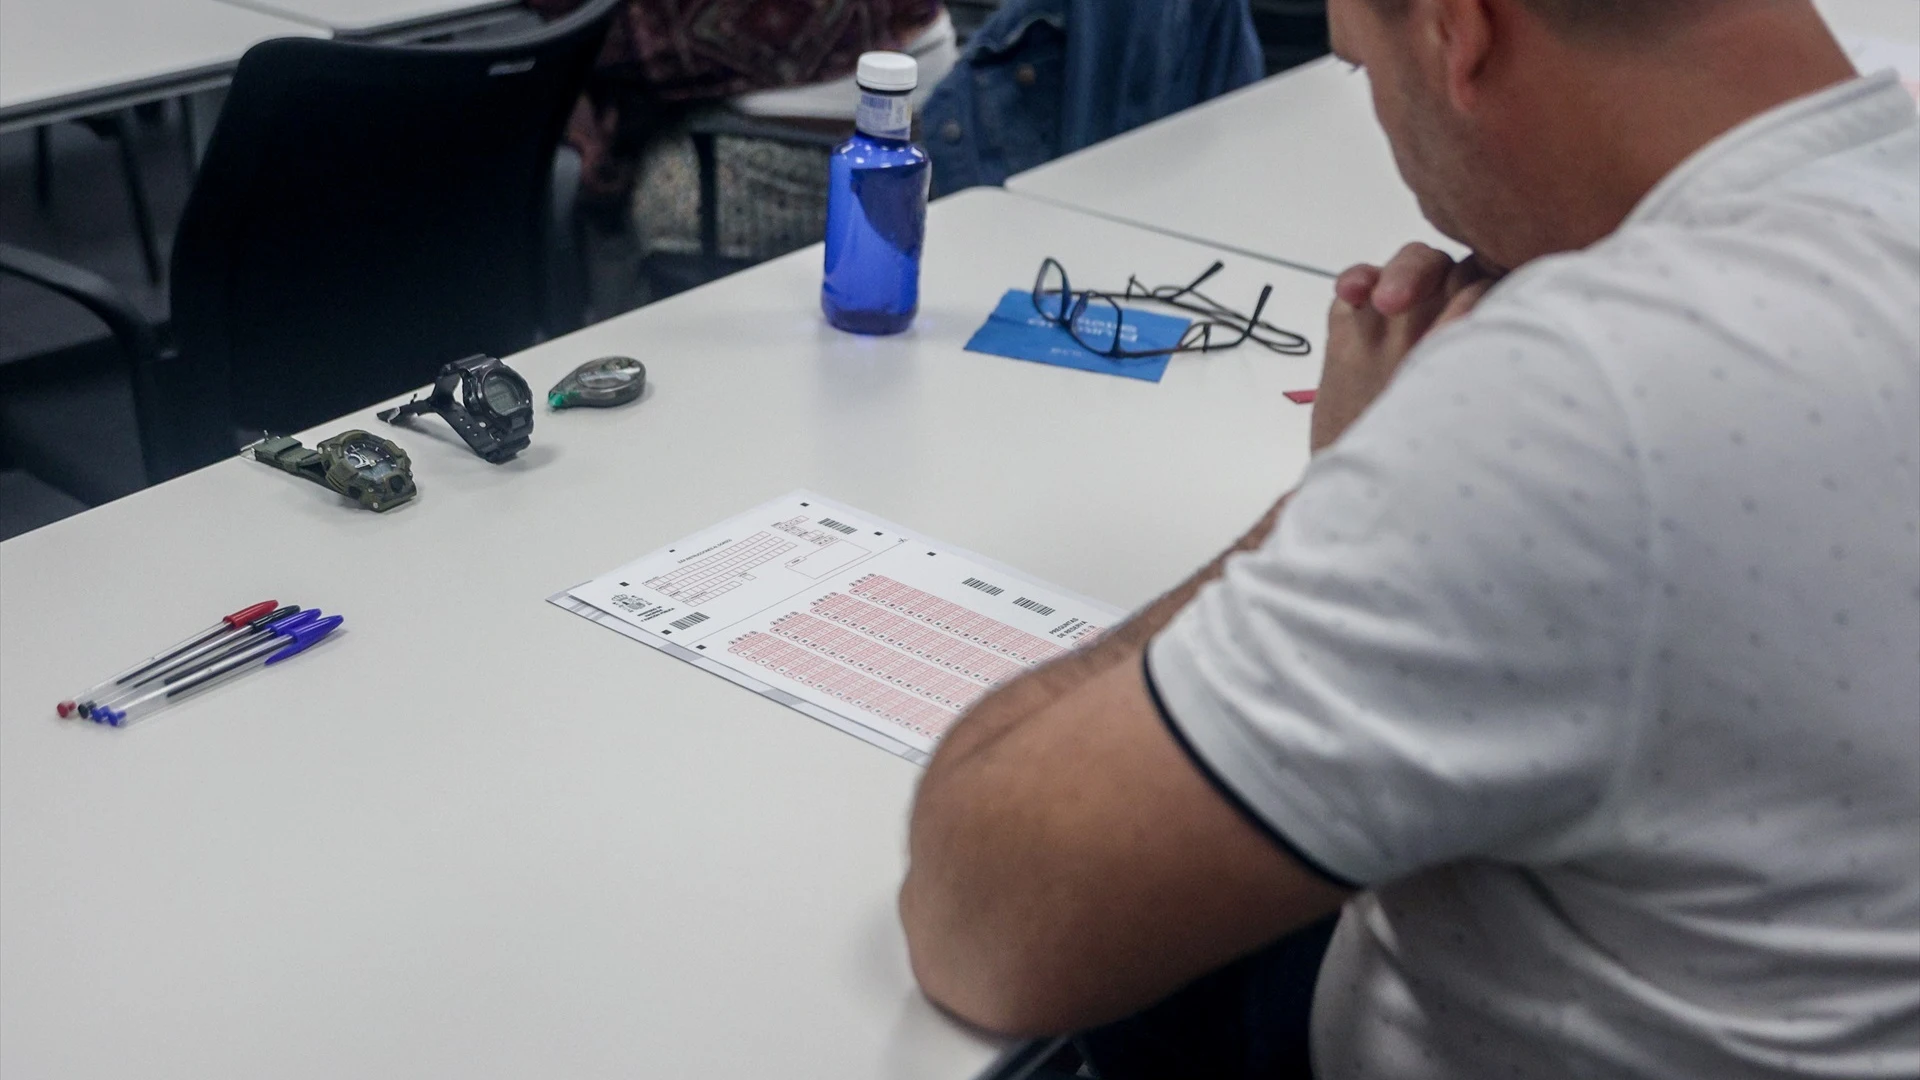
{"x": 375, "y": 464}
{"x": 485, "y": 402}
{"x": 366, "y": 456}
{"x": 502, "y": 395}
{"x": 365, "y": 468}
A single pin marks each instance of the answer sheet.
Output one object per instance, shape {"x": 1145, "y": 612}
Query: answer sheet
{"x": 848, "y": 618}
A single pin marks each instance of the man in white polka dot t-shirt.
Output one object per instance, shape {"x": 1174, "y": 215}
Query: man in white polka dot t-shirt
{"x": 1582, "y": 669}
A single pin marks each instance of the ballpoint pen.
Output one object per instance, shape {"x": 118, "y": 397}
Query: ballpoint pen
{"x": 217, "y": 649}
{"x": 281, "y": 643}
{"x": 226, "y": 627}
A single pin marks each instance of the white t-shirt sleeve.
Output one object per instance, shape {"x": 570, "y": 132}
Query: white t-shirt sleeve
{"x": 1437, "y": 654}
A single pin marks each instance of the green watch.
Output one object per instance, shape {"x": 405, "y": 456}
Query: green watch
{"x": 364, "y": 467}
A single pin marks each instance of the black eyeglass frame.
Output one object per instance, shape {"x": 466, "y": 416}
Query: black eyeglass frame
{"x": 1072, "y": 307}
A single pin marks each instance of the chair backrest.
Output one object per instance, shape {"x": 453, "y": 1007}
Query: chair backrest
{"x": 365, "y": 213}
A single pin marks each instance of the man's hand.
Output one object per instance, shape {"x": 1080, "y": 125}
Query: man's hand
{"x": 1379, "y": 314}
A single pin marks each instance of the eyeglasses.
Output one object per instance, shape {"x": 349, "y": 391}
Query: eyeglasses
{"x": 1097, "y": 323}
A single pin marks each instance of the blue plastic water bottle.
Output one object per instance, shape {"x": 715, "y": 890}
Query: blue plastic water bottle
{"x": 877, "y": 205}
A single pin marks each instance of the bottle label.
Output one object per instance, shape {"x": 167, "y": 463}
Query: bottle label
{"x": 884, "y": 116}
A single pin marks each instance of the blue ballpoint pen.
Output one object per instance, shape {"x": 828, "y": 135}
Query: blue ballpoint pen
{"x": 196, "y": 657}
{"x": 226, "y": 627}
{"x": 283, "y": 643}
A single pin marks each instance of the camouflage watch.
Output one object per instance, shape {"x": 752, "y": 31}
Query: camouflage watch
{"x": 364, "y": 467}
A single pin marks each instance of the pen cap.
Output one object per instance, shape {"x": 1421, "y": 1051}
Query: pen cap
{"x": 304, "y": 637}
{"x": 247, "y": 615}
{"x": 294, "y": 621}
{"x": 279, "y": 615}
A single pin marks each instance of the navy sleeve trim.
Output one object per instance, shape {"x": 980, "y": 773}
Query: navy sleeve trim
{"x": 1228, "y": 793}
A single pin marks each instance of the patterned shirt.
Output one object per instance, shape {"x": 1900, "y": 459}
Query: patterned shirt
{"x": 1592, "y": 650}
{"x": 701, "y": 50}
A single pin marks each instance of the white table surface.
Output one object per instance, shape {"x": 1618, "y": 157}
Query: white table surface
{"x": 476, "y": 836}
{"x": 362, "y": 18}
{"x": 1895, "y": 20}
{"x": 1293, "y": 168}
{"x": 64, "y": 57}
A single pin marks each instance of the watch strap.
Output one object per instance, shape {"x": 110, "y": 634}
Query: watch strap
{"x": 285, "y": 453}
{"x": 411, "y": 408}
{"x": 493, "y": 442}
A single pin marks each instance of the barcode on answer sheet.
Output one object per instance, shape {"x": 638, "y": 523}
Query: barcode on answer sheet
{"x": 836, "y": 526}
{"x": 1033, "y": 605}
{"x": 990, "y": 590}
{"x": 694, "y": 619}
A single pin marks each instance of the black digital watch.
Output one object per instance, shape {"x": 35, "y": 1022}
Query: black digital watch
{"x": 493, "y": 413}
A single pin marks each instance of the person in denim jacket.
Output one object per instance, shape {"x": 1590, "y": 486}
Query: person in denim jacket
{"x": 1046, "y": 77}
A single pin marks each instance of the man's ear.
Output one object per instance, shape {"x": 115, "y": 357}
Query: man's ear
{"x": 1460, "y": 36}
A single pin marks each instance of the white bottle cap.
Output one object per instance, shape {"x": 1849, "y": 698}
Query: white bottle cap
{"x": 889, "y": 72}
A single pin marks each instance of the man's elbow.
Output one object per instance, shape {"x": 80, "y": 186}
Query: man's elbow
{"x": 987, "y": 979}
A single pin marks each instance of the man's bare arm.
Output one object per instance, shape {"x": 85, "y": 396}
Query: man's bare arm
{"x": 998, "y": 711}
{"x": 1071, "y": 864}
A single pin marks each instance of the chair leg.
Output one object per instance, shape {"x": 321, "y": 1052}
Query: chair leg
{"x": 582, "y": 268}
{"x": 42, "y": 165}
{"x": 189, "y": 136}
{"x": 703, "y": 150}
{"x": 137, "y": 197}
{"x": 568, "y": 291}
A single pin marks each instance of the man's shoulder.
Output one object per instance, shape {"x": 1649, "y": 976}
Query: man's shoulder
{"x": 1804, "y": 253}
{"x": 1795, "y": 281}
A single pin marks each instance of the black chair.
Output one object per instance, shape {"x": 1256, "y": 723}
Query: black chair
{"x": 364, "y": 213}
{"x": 80, "y": 426}
{"x": 670, "y": 273}
{"x": 120, "y": 127}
